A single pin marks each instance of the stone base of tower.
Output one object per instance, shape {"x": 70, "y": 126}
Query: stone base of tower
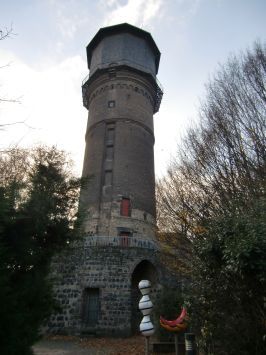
{"x": 96, "y": 287}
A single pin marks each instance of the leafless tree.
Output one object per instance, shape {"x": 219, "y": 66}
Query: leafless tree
{"x": 214, "y": 194}
{"x": 223, "y": 158}
{"x": 6, "y": 33}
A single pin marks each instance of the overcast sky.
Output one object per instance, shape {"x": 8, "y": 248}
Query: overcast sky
{"x": 47, "y": 62}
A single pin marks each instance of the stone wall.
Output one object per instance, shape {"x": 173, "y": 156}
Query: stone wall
{"x": 139, "y": 223}
{"x": 115, "y": 271}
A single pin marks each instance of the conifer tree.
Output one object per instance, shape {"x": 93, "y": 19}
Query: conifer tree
{"x": 38, "y": 218}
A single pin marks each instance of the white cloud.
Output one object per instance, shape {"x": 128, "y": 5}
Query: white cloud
{"x": 137, "y": 12}
{"x": 51, "y": 105}
{"x": 66, "y": 25}
{"x": 188, "y": 9}
{"x": 70, "y": 16}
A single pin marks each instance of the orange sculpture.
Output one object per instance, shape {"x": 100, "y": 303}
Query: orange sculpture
{"x": 177, "y": 325}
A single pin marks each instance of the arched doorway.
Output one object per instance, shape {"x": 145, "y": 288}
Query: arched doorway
{"x": 145, "y": 270}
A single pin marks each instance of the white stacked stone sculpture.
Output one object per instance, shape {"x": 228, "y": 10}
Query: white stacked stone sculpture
{"x": 145, "y": 306}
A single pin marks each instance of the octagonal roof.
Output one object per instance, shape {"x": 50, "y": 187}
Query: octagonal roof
{"x": 123, "y": 28}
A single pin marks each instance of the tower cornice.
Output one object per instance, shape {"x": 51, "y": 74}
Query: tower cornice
{"x": 106, "y": 79}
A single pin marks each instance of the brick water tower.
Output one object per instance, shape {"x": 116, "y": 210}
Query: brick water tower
{"x": 96, "y": 282}
{"x": 121, "y": 94}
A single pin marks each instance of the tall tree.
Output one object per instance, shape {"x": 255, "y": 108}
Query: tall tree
{"x": 38, "y": 213}
{"x": 214, "y": 192}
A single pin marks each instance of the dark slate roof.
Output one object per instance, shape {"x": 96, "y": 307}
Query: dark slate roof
{"x": 126, "y": 28}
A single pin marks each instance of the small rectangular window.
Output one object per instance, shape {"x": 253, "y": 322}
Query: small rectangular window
{"x": 125, "y": 207}
{"x": 124, "y": 239}
{"x": 111, "y": 104}
{"x": 91, "y": 306}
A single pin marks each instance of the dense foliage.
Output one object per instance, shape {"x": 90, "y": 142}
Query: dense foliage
{"x": 168, "y": 305}
{"x": 214, "y": 194}
{"x": 38, "y": 212}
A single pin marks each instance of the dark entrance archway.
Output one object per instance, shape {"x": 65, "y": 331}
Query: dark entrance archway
{"x": 145, "y": 270}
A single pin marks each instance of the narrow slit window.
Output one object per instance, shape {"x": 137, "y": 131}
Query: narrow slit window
{"x": 110, "y": 136}
{"x": 108, "y": 178}
{"x": 109, "y": 152}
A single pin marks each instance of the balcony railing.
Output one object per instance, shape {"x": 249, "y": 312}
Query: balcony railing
{"x": 159, "y": 88}
{"x": 121, "y": 241}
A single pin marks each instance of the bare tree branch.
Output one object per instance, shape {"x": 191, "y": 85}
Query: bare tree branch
{"x": 7, "y": 33}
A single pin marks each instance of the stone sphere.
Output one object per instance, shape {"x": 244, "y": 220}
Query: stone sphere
{"x": 146, "y": 327}
{"x": 145, "y": 287}
{"x": 145, "y": 305}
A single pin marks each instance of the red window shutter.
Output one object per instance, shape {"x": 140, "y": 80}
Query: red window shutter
{"x": 125, "y": 207}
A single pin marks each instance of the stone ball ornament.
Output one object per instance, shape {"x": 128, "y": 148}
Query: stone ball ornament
{"x": 145, "y": 306}
{"x": 145, "y": 287}
{"x": 146, "y": 327}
